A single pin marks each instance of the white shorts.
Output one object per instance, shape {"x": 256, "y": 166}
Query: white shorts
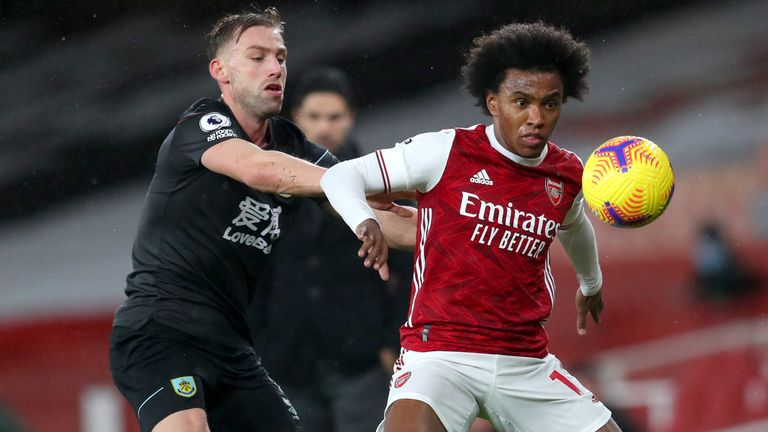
{"x": 517, "y": 394}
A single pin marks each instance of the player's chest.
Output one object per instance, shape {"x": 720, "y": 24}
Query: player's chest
{"x": 249, "y": 219}
{"x": 500, "y": 190}
{"x": 509, "y": 208}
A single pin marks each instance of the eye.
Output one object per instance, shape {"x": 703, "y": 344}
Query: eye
{"x": 521, "y": 102}
{"x": 552, "y": 104}
{"x": 258, "y": 59}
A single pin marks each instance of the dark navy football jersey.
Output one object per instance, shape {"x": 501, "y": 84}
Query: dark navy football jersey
{"x": 204, "y": 238}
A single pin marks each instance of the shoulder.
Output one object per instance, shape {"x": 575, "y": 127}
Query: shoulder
{"x": 561, "y": 156}
{"x": 207, "y": 119}
{"x": 286, "y": 137}
{"x": 564, "y": 162}
{"x": 443, "y": 137}
{"x": 212, "y": 110}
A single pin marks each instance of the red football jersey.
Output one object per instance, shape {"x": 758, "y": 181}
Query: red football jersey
{"x": 482, "y": 281}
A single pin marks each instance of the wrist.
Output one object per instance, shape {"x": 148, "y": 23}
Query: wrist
{"x": 591, "y": 286}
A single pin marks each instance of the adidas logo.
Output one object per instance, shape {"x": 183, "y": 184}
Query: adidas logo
{"x": 482, "y": 178}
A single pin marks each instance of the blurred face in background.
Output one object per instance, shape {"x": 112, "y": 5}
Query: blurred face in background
{"x": 253, "y": 71}
{"x": 325, "y": 118}
{"x": 525, "y": 110}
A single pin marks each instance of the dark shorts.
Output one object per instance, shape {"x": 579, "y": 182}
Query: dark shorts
{"x": 161, "y": 370}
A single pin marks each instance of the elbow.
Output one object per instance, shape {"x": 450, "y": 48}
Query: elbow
{"x": 330, "y": 177}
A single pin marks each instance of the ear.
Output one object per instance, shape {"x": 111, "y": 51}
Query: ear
{"x": 218, "y": 71}
{"x": 492, "y": 102}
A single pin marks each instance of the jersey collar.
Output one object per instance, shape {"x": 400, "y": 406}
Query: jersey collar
{"x": 532, "y": 162}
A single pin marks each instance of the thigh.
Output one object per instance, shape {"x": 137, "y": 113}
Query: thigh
{"x": 531, "y": 395}
{"x": 190, "y": 420}
{"x": 158, "y": 377}
{"x": 409, "y": 415}
{"x": 256, "y": 407}
{"x": 440, "y": 380}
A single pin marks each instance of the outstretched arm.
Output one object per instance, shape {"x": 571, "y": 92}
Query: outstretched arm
{"x": 346, "y": 186}
{"x": 265, "y": 170}
{"x": 578, "y": 239}
{"x": 416, "y": 164}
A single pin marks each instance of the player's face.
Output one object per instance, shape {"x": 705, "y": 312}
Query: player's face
{"x": 256, "y": 64}
{"x": 526, "y": 109}
{"x": 325, "y": 118}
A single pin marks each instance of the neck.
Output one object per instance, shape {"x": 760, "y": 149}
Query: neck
{"x": 255, "y": 128}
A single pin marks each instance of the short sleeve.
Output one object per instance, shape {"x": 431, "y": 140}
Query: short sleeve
{"x": 198, "y": 132}
{"x": 321, "y": 156}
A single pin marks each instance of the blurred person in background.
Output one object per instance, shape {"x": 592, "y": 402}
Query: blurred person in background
{"x": 224, "y": 191}
{"x": 719, "y": 273}
{"x": 324, "y": 304}
{"x": 491, "y": 200}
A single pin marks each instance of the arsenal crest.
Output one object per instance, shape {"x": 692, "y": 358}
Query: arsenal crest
{"x": 400, "y": 381}
{"x": 555, "y": 191}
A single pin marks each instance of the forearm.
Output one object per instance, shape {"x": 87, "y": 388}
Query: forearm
{"x": 581, "y": 246}
{"x": 345, "y": 187}
{"x": 277, "y": 172}
{"x": 265, "y": 170}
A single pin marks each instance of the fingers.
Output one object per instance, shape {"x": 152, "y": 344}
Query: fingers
{"x": 377, "y": 255}
{"x": 595, "y": 312}
{"x": 392, "y": 207}
{"x": 374, "y": 249}
{"x": 592, "y": 305}
{"x": 384, "y": 272}
{"x": 581, "y": 321}
{"x": 401, "y": 211}
{"x": 367, "y": 244}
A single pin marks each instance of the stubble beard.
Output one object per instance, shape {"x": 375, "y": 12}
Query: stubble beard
{"x": 254, "y": 104}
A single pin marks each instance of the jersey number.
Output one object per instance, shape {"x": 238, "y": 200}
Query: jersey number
{"x": 556, "y": 375}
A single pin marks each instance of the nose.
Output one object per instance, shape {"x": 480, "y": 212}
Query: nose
{"x": 535, "y": 118}
{"x": 275, "y": 68}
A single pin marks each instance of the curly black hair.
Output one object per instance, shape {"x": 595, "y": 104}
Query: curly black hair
{"x": 534, "y": 46}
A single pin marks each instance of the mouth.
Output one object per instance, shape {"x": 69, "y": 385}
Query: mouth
{"x": 274, "y": 89}
{"x": 533, "y": 139}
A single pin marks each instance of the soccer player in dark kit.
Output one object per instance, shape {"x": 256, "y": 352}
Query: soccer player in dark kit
{"x": 225, "y": 189}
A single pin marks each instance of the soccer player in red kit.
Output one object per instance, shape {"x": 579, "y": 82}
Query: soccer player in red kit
{"x": 491, "y": 200}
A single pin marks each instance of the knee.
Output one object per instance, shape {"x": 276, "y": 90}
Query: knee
{"x": 190, "y": 420}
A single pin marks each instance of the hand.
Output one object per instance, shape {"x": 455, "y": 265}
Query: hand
{"x": 592, "y": 305}
{"x": 384, "y": 202}
{"x": 374, "y": 248}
